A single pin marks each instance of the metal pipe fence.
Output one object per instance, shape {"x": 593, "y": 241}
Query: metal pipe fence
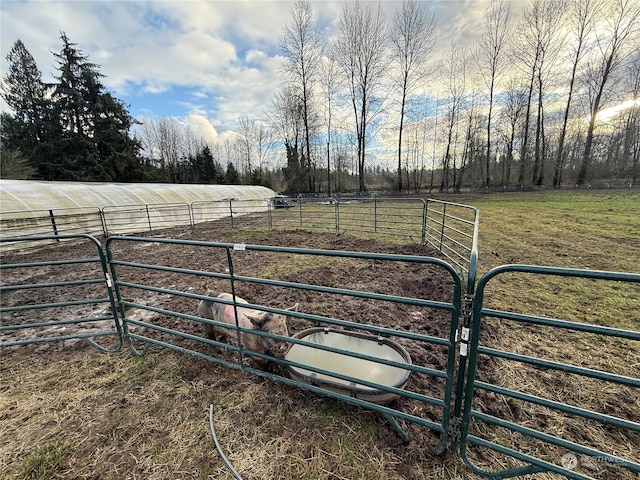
{"x": 80, "y": 307}
{"x": 448, "y": 227}
{"x": 590, "y": 436}
{"x": 527, "y": 410}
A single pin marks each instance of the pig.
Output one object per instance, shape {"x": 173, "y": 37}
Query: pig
{"x": 247, "y": 318}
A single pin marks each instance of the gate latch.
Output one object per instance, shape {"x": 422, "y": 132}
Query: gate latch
{"x": 465, "y": 331}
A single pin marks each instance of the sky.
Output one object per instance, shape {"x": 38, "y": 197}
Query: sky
{"x": 206, "y": 63}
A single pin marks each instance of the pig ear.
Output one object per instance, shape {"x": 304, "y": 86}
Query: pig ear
{"x": 294, "y": 308}
{"x": 257, "y": 319}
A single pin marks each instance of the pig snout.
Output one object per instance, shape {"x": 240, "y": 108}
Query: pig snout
{"x": 280, "y": 349}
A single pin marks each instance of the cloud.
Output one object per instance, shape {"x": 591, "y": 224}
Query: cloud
{"x": 207, "y": 62}
{"x": 201, "y": 127}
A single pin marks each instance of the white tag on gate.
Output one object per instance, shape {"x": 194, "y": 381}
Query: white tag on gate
{"x": 239, "y": 246}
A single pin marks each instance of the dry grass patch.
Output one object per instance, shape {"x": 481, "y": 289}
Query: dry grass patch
{"x": 91, "y": 416}
{"x": 596, "y": 231}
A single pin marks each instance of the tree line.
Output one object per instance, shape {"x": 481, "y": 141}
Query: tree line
{"x": 525, "y": 105}
{"x": 528, "y": 104}
{"x": 73, "y": 129}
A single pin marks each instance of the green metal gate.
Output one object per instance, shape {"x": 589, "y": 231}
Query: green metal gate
{"x": 82, "y": 307}
{"x": 160, "y": 323}
{"x": 532, "y": 416}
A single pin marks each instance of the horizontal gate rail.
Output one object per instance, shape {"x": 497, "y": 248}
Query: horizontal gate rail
{"x": 159, "y": 324}
{"x": 573, "y": 458}
{"x": 18, "y": 299}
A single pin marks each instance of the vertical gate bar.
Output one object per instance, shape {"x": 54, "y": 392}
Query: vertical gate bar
{"x": 451, "y": 363}
{"x": 235, "y": 306}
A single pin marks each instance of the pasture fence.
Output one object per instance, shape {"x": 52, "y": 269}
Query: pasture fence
{"x": 546, "y": 424}
{"x": 449, "y": 227}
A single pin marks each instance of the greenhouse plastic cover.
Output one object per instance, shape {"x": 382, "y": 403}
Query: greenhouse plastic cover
{"x": 30, "y": 196}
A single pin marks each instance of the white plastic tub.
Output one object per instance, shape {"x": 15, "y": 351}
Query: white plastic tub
{"x": 344, "y": 364}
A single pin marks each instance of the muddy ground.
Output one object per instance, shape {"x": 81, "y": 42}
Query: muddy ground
{"x": 406, "y": 279}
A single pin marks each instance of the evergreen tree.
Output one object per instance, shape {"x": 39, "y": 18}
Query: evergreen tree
{"x": 27, "y": 95}
{"x": 92, "y": 141}
{"x": 232, "y": 177}
{"x": 118, "y": 152}
{"x": 76, "y": 97}
{"x": 204, "y": 168}
{"x": 79, "y": 132}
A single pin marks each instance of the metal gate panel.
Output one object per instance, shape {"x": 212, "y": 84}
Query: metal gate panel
{"x": 155, "y": 313}
{"x": 38, "y": 307}
{"x": 549, "y": 423}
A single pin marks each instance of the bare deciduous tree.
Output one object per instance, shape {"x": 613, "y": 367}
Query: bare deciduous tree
{"x": 582, "y": 14}
{"x": 360, "y": 51}
{"x": 163, "y": 141}
{"x": 515, "y": 104}
{"x": 247, "y": 132}
{"x": 544, "y": 18}
{"x": 455, "y": 70}
{"x": 330, "y": 84}
{"x": 489, "y": 56}
{"x": 287, "y": 119}
{"x": 412, "y": 39}
{"x": 631, "y": 144}
{"x": 620, "y": 26}
{"x": 302, "y": 47}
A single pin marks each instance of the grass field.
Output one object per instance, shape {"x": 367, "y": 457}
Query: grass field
{"x": 584, "y": 230}
{"x": 121, "y": 417}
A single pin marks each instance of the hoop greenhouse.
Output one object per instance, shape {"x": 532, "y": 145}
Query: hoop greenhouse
{"x": 31, "y": 196}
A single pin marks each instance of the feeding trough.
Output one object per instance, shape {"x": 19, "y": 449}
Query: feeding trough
{"x": 344, "y": 364}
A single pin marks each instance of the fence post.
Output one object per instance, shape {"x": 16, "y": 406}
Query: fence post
{"x": 375, "y": 215}
{"x": 425, "y": 213}
{"x": 300, "y": 209}
{"x": 53, "y": 224}
{"x": 148, "y": 218}
{"x": 444, "y": 216}
{"x": 191, "y": 218}
{"x": 231, "y": 211}
{"x": 103, "y": 220}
